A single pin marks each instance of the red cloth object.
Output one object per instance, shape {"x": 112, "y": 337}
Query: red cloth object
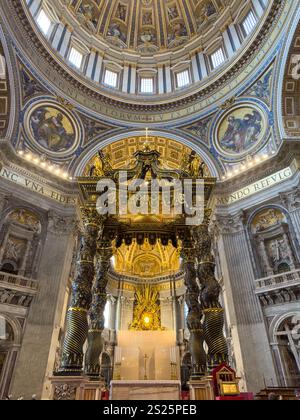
{"x": 105, "y": 396}
{"x": 185, "y": 395}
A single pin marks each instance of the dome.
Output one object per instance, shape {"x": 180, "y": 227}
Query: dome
{"x": 148, "y": 49}
{"x": 146, "y": 26}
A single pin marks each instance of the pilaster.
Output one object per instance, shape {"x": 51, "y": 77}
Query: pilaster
{"x": 45, "y": 313}
{"x": 244, "y": 310}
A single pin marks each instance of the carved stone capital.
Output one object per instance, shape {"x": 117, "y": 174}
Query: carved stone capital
{"x": 230, "y": 224}
{"x": 62, "y": 225}
{"x": 4, "y": 198}
{"x": 291, "y": 199}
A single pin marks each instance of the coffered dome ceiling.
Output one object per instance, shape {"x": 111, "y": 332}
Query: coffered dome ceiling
{"x": 120, "y": 57}
{"x": 147, "y": 26}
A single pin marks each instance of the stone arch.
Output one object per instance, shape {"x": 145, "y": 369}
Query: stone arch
{"x": 12, "y": 82}
{"x": 284, "y": 332}
{"x": 8, "y": 354}
{"x": 289, "y": 84}
{"x": 14, "y": 205}
{"x": 17, "y": 330}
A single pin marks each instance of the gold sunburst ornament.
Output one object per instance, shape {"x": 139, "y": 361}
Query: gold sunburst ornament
{"x": 146, "y": 316}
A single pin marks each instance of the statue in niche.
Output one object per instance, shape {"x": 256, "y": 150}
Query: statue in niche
{"x": 14, "y": 249}
{"x": 98, "y": 168}
{"x": 194, "y": 165}
{"x": 278, "y": 251}
{"x": 196, "y": 168}
{"x": 101, "y": 165}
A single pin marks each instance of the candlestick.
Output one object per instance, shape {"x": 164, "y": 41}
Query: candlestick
{"x": 146, "y": 359}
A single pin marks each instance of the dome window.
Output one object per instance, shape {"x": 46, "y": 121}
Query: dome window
{"x": 217, "y": 58}
{"x": 183, "y": 78}
{"x": 147, "y": 85}
{"x": 249, "y": 23}
{"x": 111, "y": 78}
{"x": 75, "y": 58}
{"x": 44, "y": 22}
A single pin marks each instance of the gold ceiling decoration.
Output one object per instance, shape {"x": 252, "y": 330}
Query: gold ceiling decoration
{"x": 121, "y": 153}
{"x": 146, "y": 26}
{"x": 147, "y": 261}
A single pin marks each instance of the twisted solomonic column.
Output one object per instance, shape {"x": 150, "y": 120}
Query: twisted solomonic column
{"x": 77, "y": 318}
{"x": 195, "y": 315}
{"x": 96, "y": 314}
{"x": 210, "y": 297}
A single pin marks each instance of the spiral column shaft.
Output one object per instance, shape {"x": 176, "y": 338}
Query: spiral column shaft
{"x": 195, "y": 314}
{"x": 213, "y": 323}
{"x": 77, "y": 322}
{"x": 96, "y": 314}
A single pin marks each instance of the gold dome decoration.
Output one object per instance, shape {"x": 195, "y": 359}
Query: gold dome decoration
{"x": 147, "y": 261}
{"x": 146, "y": 26}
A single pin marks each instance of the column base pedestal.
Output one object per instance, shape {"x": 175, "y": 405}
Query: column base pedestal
{"x": 76, "y": 388}
{"x": 202, "y": 389}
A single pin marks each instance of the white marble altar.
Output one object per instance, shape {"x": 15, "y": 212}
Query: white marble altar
{"x": 145, "y": 390}
{"x": 160, "y": 348}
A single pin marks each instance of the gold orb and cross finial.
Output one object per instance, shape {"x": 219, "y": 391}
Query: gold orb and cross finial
{"x": 147, "y": 146}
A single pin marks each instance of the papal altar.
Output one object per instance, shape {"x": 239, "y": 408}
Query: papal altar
{"x": 145, "y": 390}
{"x": 146, "y": 367}
{"x": 147, "y": 355}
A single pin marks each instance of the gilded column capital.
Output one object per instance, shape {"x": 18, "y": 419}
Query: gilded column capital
{"x": 90, "y": 217}
{"x": 104, "y": 254}
{"x": 189, "y": 255}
